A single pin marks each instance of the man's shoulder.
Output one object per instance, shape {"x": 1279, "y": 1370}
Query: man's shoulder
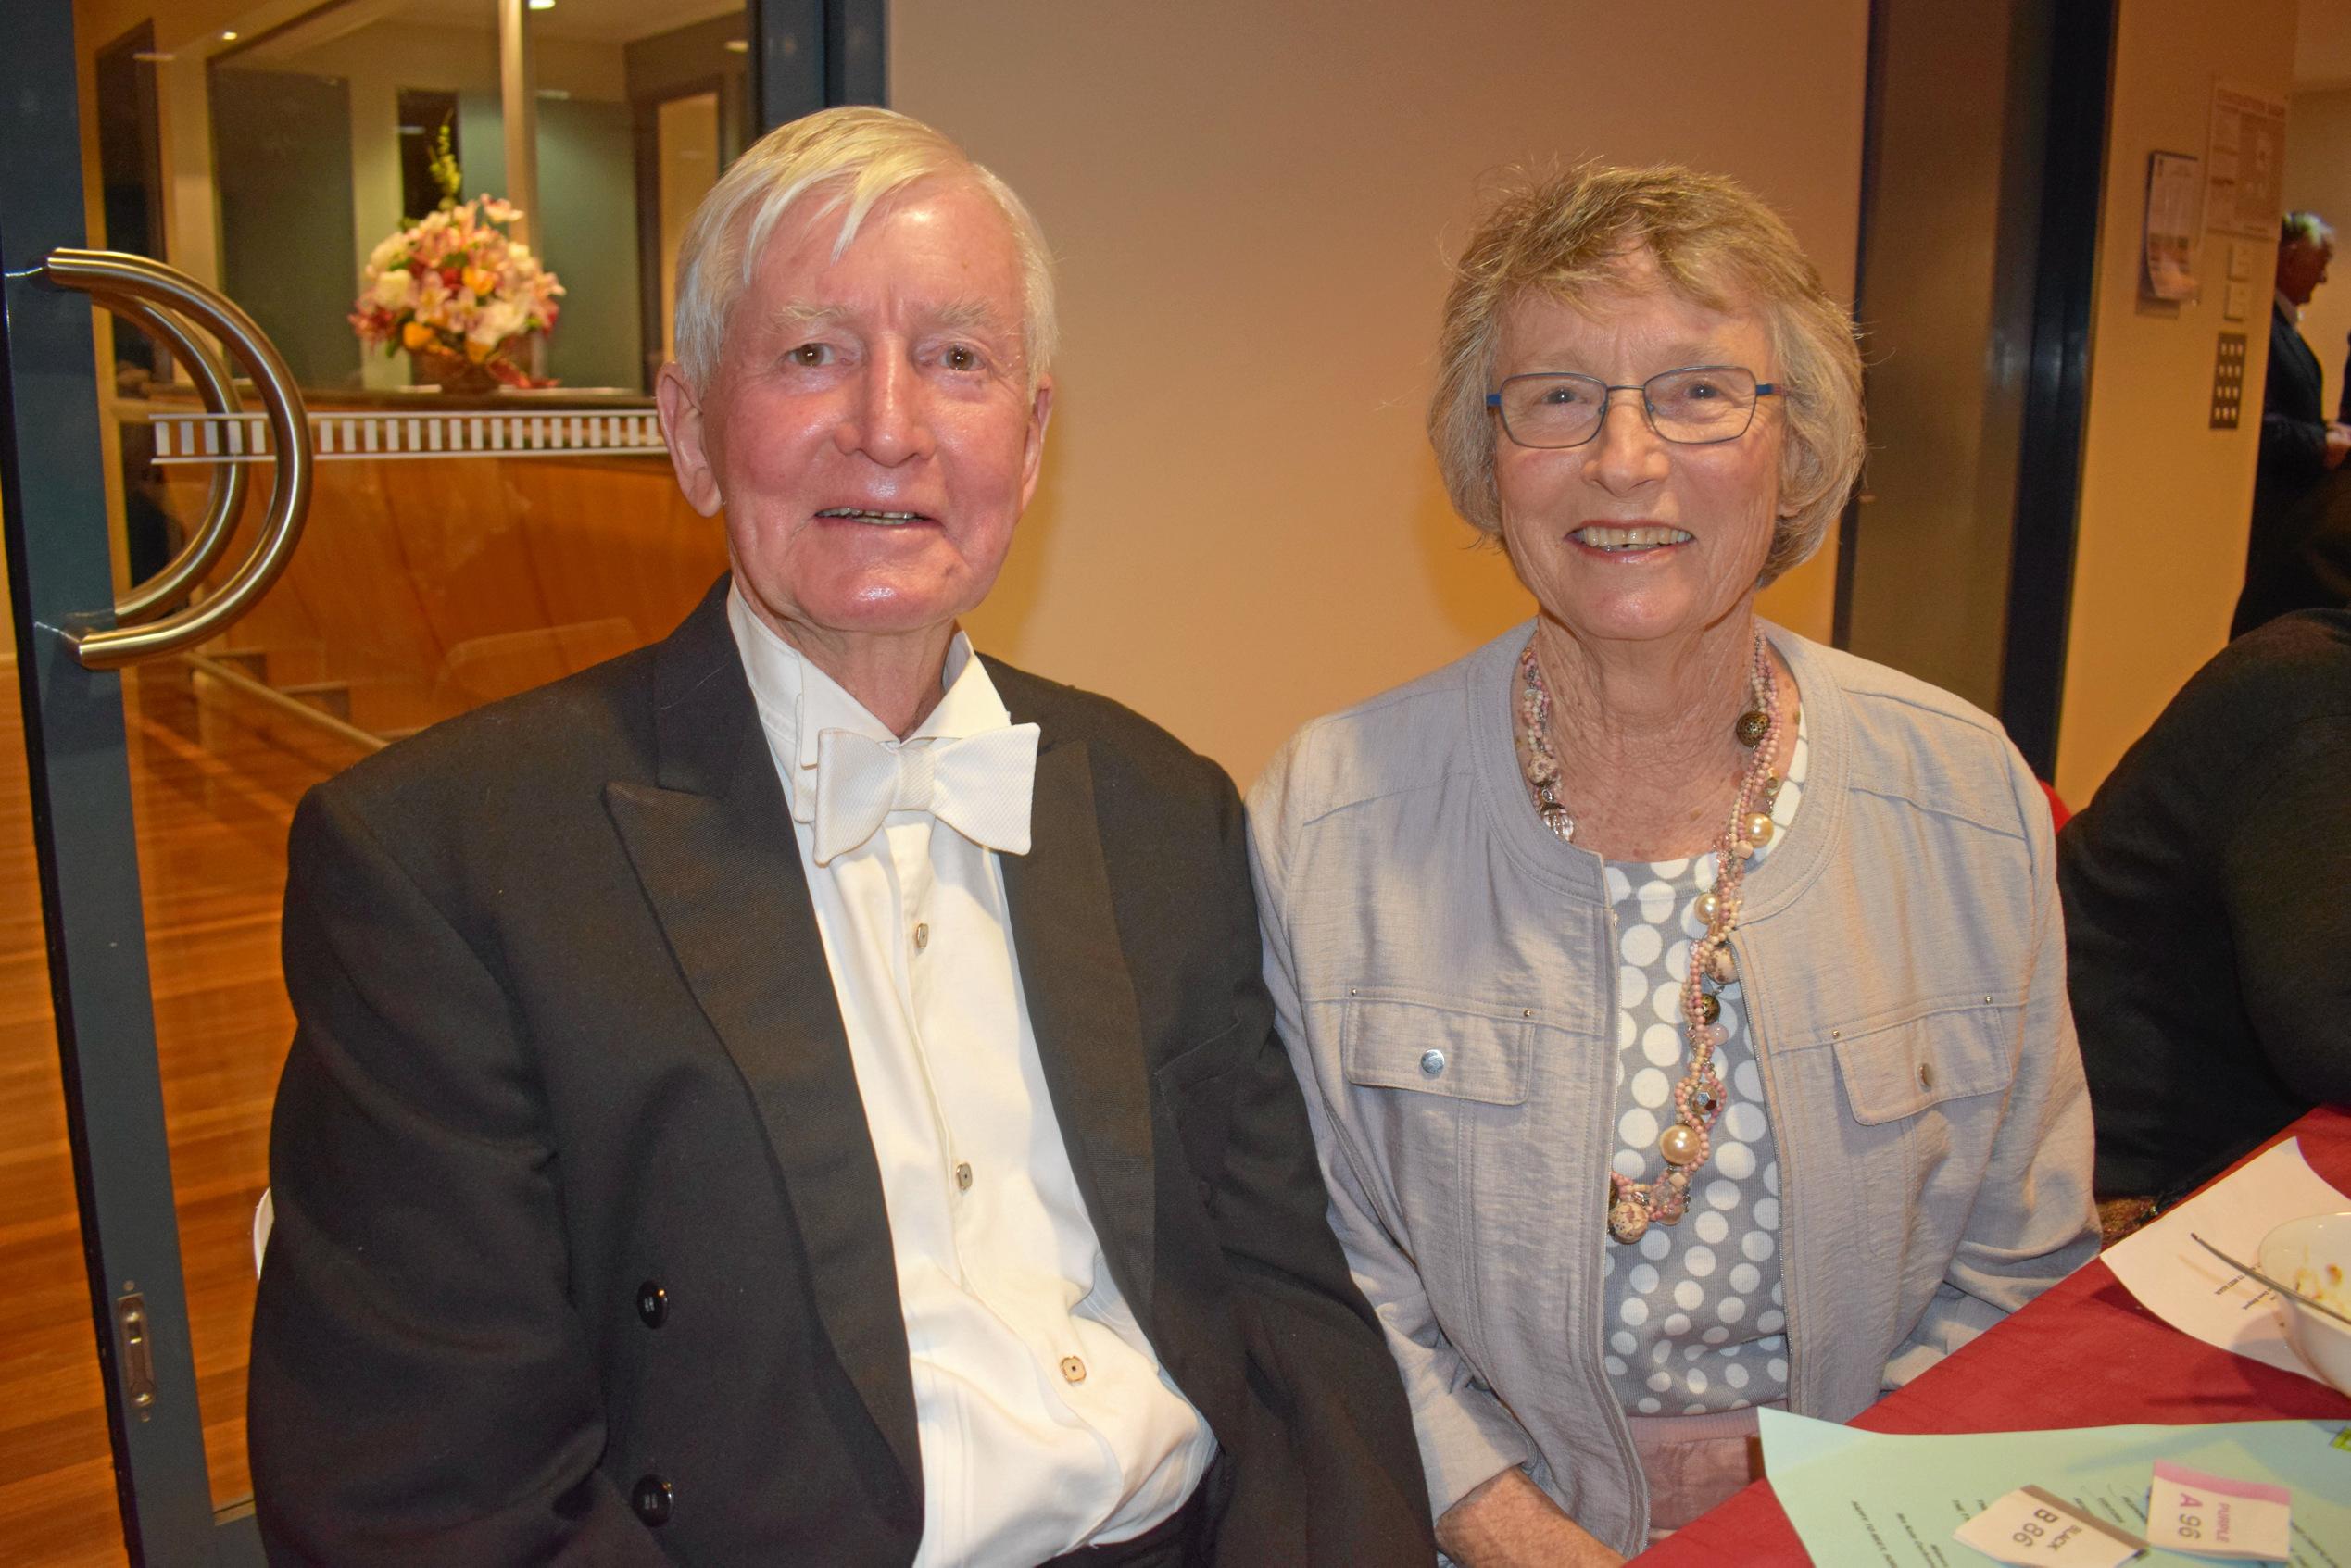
{"x": 1116, "y": 737}
{"x": 520, "y": 752}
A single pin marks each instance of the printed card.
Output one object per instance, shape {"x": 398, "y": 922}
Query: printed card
{"x": 2030, "y": 1527}
{"x": 2212, "y": 1516}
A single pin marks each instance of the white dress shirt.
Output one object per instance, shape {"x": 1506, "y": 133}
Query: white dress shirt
{"x": 1046, "y": 1420}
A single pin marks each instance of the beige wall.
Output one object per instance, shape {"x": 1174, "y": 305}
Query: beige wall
{"x": 2317, "y": 176}
{"x": 1240, "y": 525}
{"x": 2165, "y": 499}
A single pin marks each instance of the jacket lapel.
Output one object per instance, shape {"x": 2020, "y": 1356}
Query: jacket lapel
{"x": 714, "y": 847}
{"x": 1081, "y": 1005}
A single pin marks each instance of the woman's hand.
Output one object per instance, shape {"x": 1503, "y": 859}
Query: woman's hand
{"x": 1510, "y": 1523}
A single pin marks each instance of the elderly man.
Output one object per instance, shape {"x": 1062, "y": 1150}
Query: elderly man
{"x": 2299, "y": 447}
{"x": 802, "y": 1094}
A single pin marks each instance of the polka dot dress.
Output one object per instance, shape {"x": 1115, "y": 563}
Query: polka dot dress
{"x": 1696, "y": 1315}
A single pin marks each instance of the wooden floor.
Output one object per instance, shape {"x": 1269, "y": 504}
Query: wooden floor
{"x": 214, "y": 784}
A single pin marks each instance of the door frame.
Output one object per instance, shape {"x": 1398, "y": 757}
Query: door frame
{"x": 52, "y": 487}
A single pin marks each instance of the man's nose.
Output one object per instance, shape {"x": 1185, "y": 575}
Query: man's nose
{"x": 887, "y": 419}
{"x": 1624, "y": 453}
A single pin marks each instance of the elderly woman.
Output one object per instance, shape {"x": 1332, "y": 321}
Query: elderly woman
{"x": 1681, "y": 1003}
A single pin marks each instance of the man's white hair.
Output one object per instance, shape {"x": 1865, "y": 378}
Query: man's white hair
{"x": 2304, "y": 228}
{"x": 847, "y": 160}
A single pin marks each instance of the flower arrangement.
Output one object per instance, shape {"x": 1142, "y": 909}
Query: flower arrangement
{"x": 458, "y": 293}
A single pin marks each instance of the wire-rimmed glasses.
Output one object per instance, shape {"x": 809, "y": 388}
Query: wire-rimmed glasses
{"x": 1696, "y": 406}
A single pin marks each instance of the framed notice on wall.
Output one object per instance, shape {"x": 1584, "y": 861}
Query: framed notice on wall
{"x": 2244, "y": 189}
{"x": 2174, "y": 194}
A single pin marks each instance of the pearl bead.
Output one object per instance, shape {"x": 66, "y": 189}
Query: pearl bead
{"x": 1627, "y": 1220}
{"x": 1757, "y": 828}
{"x": 1709, "y": 906}
{"x": 1678, "y": 1144}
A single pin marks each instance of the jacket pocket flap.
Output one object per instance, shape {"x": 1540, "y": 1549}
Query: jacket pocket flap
{"x": 1389, "y": 1044}
{"x": 1894, "y": 1073}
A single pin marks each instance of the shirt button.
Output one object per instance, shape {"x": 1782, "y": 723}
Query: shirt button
{"x": 963, "y": 1175}
{"x": 921, "y": 936}
{"x": 1926, "y": 1075}
{"x": 1432, "y": 1063}
{"x": 1073, "y": 1370}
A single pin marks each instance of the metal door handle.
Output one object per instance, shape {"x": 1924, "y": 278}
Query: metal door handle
{"x": 150, "y": 294}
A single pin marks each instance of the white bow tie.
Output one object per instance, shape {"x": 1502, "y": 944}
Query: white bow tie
{"x": 979, "y": 786}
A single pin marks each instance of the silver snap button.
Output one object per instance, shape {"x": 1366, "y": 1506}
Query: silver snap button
{"x": 1432, "y": 1063}
{"x": 1526, "y": 1012}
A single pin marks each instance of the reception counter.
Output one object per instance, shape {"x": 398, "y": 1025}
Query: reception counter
{"x": 458, "y": 549}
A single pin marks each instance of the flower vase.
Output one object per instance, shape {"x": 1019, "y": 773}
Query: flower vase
{"x": 455, "y": 374}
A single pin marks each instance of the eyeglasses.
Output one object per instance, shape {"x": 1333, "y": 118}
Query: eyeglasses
{"x": 1696, "y": 406}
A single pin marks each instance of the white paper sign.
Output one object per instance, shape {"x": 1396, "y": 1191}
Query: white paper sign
{"x": 2032, "y": 1526}
{"x": 2198, "y": 1293}
{"x": 2211, "y": 1516}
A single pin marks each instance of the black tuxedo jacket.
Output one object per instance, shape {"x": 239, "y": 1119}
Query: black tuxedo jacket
{"x": 580, "y": 1254}
{"x": 2287, "y": 484}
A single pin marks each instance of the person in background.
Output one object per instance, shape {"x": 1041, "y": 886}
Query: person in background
{"x": 1681, "y": 1003}
{"x": 2205, "y": 930}
{"x": 2299, "y": 447}
{"x": 802, "y": 1093}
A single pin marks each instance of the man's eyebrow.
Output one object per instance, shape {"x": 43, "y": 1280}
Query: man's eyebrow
{"x": 973, "y": 313}
{"x": 798, "y": 315}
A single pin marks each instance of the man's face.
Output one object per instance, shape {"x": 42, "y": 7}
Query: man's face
{"x": 869, "y": 431}
{"x": 2302, "y": 266}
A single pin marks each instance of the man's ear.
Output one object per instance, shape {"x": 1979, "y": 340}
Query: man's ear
{"x": 1040, "y": 414}
{"x": 689, "y": 447}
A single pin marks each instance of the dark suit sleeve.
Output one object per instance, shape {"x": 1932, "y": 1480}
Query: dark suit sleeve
{"x": 2293, "y": 448}
{"x": 422, "y": 1390}
{"x": 1319, "y": 1357}
{"x": 2285, "y": 860}
{"x": 2319, "y": 548}
{"x": 2293, "y": 430}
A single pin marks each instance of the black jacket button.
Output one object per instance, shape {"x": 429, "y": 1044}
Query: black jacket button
{"x": 653, "y": 1303}
{"x": 651, "y": 1500}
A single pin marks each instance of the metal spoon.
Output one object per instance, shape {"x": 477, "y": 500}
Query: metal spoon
{"x": 2254, "y": 1273}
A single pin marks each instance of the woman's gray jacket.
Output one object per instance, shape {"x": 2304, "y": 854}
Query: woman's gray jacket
{"x": 1903, "y": 962}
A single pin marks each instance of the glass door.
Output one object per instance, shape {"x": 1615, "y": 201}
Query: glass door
{"x": 463, "y": 541}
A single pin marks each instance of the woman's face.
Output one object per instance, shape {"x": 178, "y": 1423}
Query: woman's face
{"x": 1705, "y": 514}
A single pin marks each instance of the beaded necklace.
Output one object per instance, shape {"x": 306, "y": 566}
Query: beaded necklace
{"x": 1698, "y": 1099}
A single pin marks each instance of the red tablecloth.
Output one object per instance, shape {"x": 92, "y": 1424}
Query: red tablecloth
{"x": 2086, "y": 1354}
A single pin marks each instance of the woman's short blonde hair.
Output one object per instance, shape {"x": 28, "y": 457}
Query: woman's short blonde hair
{"x": 847, "y": 160}
{"x": 1564, "y": 236}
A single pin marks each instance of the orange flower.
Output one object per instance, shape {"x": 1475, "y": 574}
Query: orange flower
{"x": 416, "y": 337}
{"x": 480, "y": 282}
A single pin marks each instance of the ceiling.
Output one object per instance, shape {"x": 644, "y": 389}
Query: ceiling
{"x": 592, "y": 21}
